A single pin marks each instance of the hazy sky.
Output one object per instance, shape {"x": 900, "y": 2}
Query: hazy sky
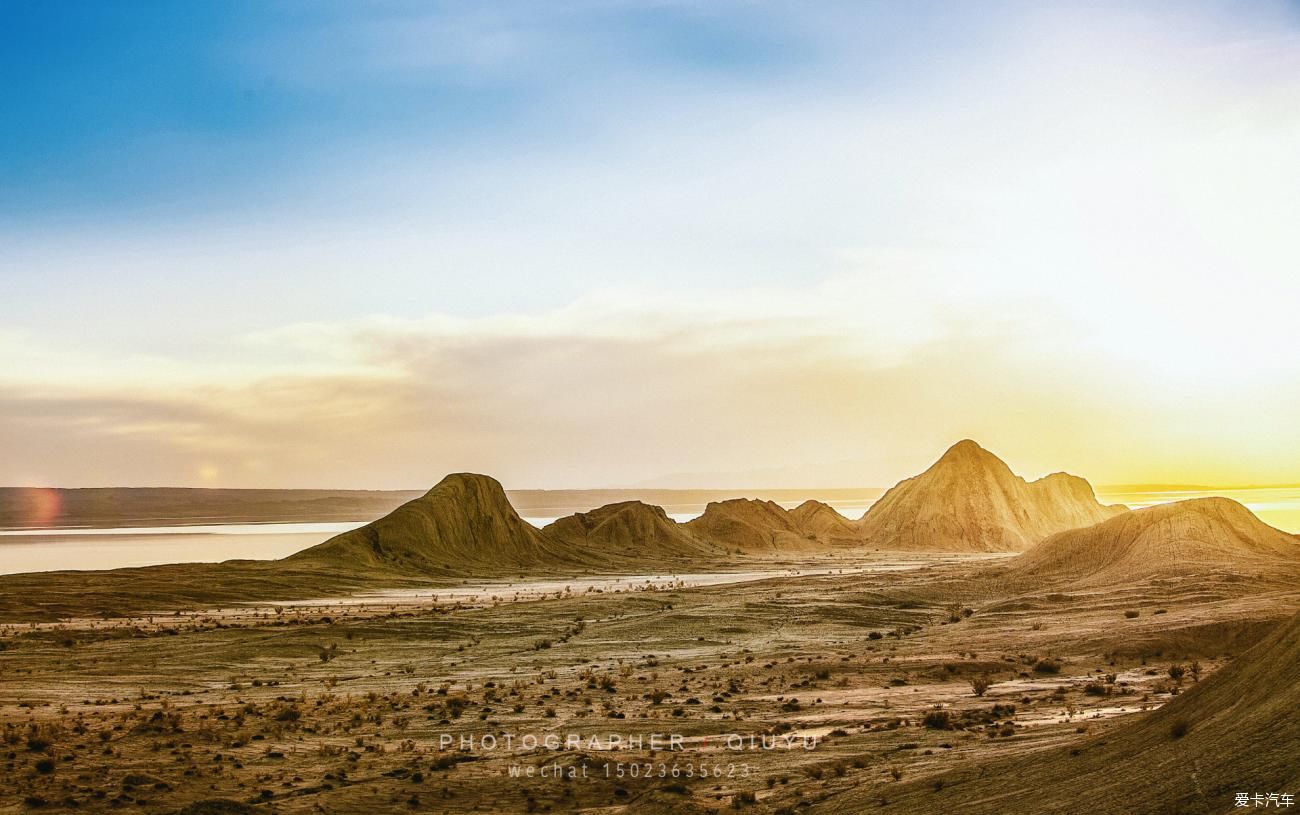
{"x": 673, "y": 243}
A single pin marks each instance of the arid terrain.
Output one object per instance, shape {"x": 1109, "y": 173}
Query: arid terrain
{"x": 451, "y": 659}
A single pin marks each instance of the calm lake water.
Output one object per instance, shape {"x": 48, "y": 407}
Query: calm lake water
{"x": 55, "y": 549}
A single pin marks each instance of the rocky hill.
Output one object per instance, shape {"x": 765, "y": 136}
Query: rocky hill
{"x": 970, "y": 501}
{"x": 825, "y": 523}
{"x": 464, "y": 523}
{"x": 753, "y": 527}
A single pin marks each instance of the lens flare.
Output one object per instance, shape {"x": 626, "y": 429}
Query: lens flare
{"x": 39, "y": 507}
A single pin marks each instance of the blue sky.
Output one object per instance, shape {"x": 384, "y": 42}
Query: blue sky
{"x": 185, "y": 107}
{"x": 229, "y": 231}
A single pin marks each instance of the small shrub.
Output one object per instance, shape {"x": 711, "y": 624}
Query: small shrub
{"x": 1131, "y": 613}
{"x": 1179, "y": 728}
{"x": 1047, "y": 666}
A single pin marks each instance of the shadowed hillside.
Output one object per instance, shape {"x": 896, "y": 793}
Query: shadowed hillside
{"x": 970, "y": 501}
{"x": 1236, "y": 732}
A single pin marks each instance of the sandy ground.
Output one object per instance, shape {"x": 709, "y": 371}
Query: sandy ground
{"x": 766, "y": 691}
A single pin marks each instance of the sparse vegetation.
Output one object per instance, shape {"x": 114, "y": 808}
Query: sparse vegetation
{"x": 1048, "y": 665}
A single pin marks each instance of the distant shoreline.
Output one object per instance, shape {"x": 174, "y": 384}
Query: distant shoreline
{"x": 115, "y": 507}
{"x": 110, "y": 507}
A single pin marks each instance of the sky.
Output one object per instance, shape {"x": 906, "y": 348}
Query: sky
{"x": 604, "y": 244}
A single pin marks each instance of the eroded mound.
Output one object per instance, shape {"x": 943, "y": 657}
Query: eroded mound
{"x": 1193, "y": 535}
{"x": 970, "y": 501}
{"x": 464, "y": 522}
{"x": 631, "y": 530}
{"x": 750, "y": 526}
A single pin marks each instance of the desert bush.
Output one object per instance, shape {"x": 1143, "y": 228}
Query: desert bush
{"x": 1179, "y": 728}
{"x": 1047, "y": 665}
{"x": 456, "y": 705}
{"x": 938, "y": 720}
{"x": 445, "y": 761}
{"x": 979, "y": 684}
{"x": 1131, "y": 613}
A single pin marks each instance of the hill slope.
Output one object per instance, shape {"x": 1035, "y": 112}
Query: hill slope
{"x": 970, "y": 501}
{"x": 1193, "y": 534}
{"x": 1239, "y": 733}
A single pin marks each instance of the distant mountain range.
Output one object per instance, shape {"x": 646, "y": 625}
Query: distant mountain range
{"x": 968, "y": 501}
{"x": 467, "y": 526}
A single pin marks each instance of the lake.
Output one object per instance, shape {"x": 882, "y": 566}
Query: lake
{"x": 55, "y": 549}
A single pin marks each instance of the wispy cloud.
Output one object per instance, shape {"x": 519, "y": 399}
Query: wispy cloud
{"x": 595, "y": 243}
